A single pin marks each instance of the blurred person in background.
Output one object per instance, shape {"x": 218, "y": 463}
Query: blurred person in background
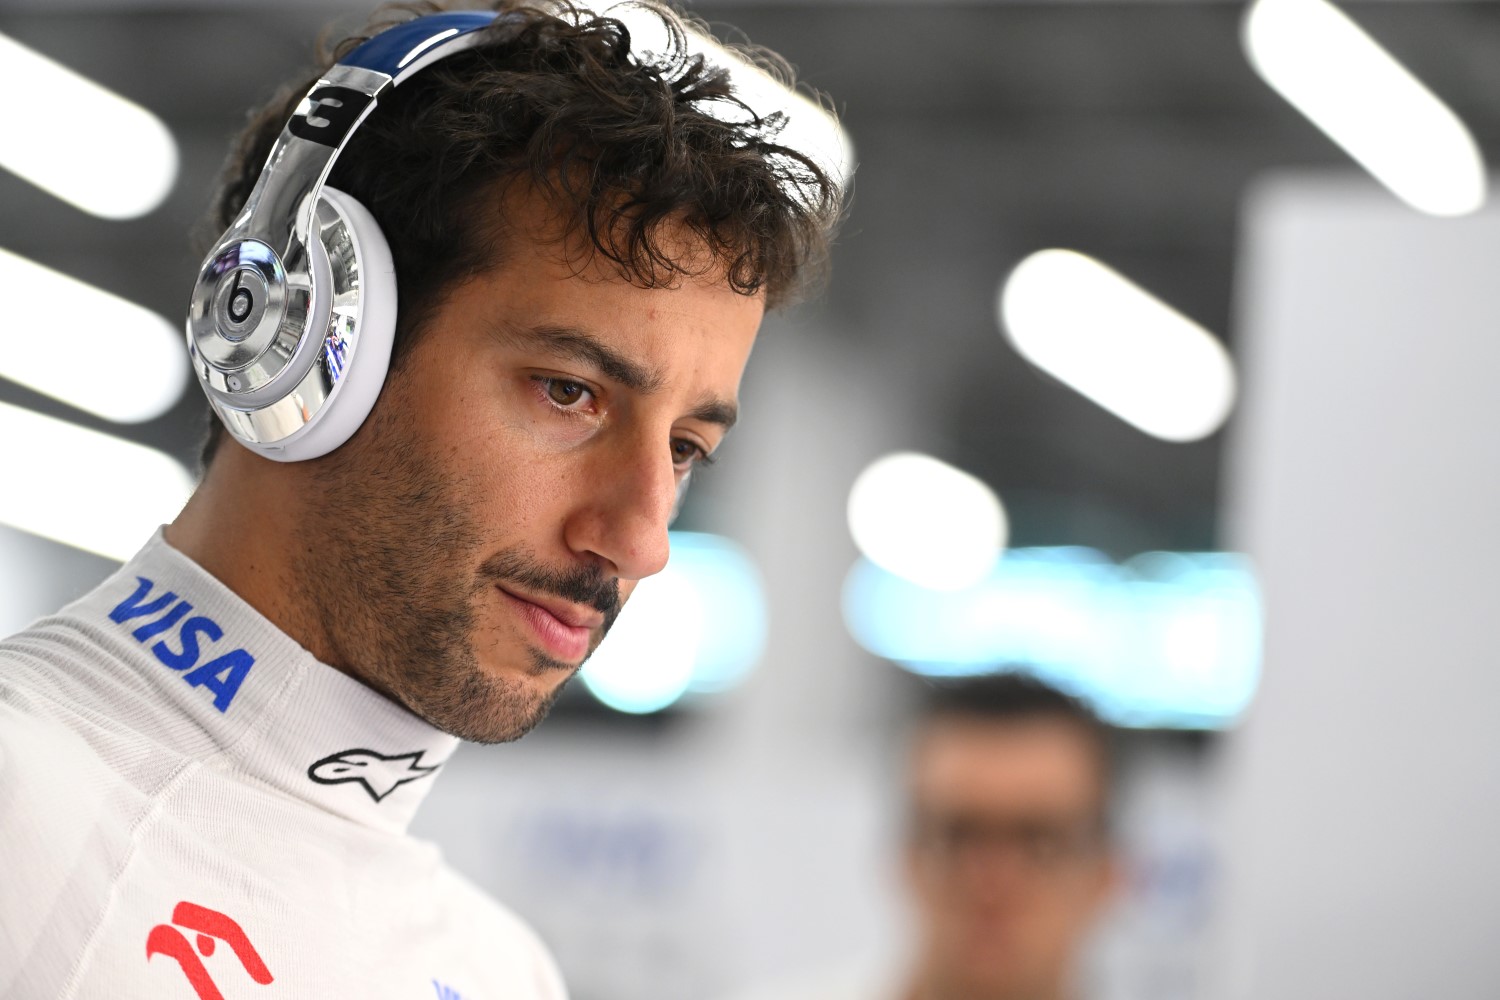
{"x": 1008, "y": 860}
{"x": 1008, "y": 856}
{"x": 208, "y": 765}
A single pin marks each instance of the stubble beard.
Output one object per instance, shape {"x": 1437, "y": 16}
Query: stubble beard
{"x": 384, "y": 566}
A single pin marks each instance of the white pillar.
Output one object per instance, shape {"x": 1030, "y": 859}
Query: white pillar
{"x": 1363, "y": 793}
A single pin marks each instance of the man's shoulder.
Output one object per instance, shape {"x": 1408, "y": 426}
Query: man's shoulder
{"x": 70, "y": 754}
{"x": 69, "y": 661}
{"x": 499, "y": 931}
{"x": 484, "y": 909}
{"x": 56, "y": 701}
{"x": 46, "y": 754}
{"x": 67, "y": 806}
{"x": 77, "y": 772}
{"x": 64, "y": 701}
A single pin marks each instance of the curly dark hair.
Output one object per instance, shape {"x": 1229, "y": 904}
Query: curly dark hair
{"x": 556, "y": 96}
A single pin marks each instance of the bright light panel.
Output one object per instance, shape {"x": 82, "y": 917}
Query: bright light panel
{"x": 809, "y": 129}
{"x": 925, "y": 521}
{"x": 85, "y": 144}
{"x": 1117, "y": 344}
{"x": 1164, "y": 640}
{"x": 1346, "y": 84}
{"x": 82, "y": 488}
{"x": 80, "y": 344}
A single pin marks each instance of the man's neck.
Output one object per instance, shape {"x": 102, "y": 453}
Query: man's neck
{"x": 239, "y": 526}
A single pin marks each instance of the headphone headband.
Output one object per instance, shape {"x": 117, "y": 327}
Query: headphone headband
{"x": 264, "y": 295}
{"x": 400, "y": 51}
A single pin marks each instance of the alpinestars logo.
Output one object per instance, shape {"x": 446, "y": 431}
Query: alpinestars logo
{"x": 211, "y": 926}
{"x": 380, "y": 775}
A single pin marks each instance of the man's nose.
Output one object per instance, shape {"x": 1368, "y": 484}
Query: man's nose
{"x": 622, "y": 518}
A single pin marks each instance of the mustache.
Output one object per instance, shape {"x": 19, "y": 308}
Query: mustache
{"x": 578, "y": 585}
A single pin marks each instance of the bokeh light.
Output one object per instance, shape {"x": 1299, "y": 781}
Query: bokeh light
{"x": 1165, "y": 639}
{"x": 1346, "y": 84}
{"x": 122, "y": 362}
{"x": 1115, "y": 343}
{"x": 699, "y": 625}
{"x": 64, "y": 482}
{"x": 922, "y": 519}
{"x": 80, "y": 141}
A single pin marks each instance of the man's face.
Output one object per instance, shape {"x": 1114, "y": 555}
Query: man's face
{"x": 476, "y": 538}
{"x": 1006, "y": 857}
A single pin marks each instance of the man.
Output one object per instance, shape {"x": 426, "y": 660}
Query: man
{"x": 1007, "y": 857}
{"x": 208, "y": 765}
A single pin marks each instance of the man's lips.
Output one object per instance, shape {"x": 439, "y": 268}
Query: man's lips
{"x": 564, "y": 629}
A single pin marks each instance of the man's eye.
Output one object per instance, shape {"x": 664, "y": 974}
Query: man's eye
{"x": 1042, "y": 846}
{"x": 686, "y": 454}
{"x": 564, "y": 393}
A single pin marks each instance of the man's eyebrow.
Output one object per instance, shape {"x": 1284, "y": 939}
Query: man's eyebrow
{"x": 572, "y": 342}
{"x": 578, "y": 345}
{"x": 716, "y": 411}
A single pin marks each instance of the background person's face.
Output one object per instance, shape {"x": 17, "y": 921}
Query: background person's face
{"x": 1006, "y": 859}
{"x": 477, "y": 536}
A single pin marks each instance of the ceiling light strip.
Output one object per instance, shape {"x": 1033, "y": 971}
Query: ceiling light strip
{"x": 1117, "y": 344}
{"x": 1329, "y": 69}
{"x": 80, "y": 141}
{"x": 86, "y": 347}
{"x": 85, "y": 489}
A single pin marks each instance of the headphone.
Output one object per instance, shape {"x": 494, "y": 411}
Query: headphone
{"x": 293, "y": 314}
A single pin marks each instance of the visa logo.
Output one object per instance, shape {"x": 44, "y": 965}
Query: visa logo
{"x": 222, "y": 675}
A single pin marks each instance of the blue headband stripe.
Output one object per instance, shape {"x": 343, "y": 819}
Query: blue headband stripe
{"x": 393, "y": 49}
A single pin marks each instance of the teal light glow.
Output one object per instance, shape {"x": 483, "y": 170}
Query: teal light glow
{"x": 698, "y": 626}
{"x": 1163, "y": 640}
{"x": 734, "y": 608}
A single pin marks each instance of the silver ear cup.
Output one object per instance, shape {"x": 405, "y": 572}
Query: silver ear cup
{"x": 274, "y": 382}
{"x": 354, "y": 351}
{"x": 253, "y": 337}
{"x": 247, "y": 315}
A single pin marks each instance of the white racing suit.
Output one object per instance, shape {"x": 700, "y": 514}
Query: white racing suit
{"x": 191, "y": 805}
